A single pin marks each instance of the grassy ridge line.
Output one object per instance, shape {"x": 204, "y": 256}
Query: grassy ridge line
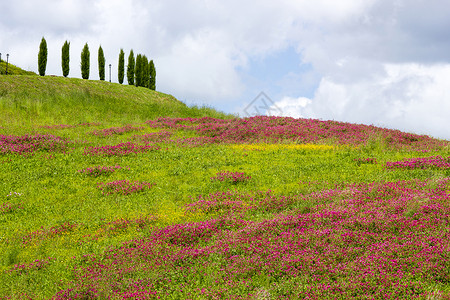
{"x": 36, "y": 100}
{"x": 13, "y": 70}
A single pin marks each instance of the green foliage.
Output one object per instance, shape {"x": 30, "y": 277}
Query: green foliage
{"x": 101, "y": 63}
{"x": 146, "y": 72}
{"x": 138, "y": 70}
{"x": 65, "y": 58}
{"x": 130, "y": 68}
{"x": 121, "y": 66}
{"x": 42, "y": 57}
{"x": 85, "y": 62}
{"x": 152, "y": 84}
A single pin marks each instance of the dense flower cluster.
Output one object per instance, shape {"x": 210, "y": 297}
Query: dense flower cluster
{"x": 99, "y": 170}
{"x": 27, "y": 144}
{"x": 438, "y": 162}
{"x": 387, "y": 240}
{"x": 124, "y": 187}
{"x": 119, "y": 149}
{"x": 233, "y": 177}
{"x": 116, "y": 130}
{"x": 263, "y": 129}
{"x": 44, "y": 233}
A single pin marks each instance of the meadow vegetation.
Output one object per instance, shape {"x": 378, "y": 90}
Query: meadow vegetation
{"x": 118, "y": 192}
{"x": 12, "y": 69}
{"x": 26, "y": 101}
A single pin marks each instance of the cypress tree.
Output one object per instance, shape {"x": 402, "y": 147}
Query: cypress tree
{"x": 138, "y": 70}
{"x": 152, "y": 84}
{"x": 42, "y": 57}
{"x": 121, "y": 65}
{"x": 85, "y": 62}
{"x": 101, "y": 63}
{"x": 145, "y": 72}
{"x": 130, "y": 68}
{"x": 65, "y": 58}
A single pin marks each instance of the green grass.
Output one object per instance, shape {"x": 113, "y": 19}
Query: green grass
{"x": 13, "y": 70}
{"x": 34, "y": 100}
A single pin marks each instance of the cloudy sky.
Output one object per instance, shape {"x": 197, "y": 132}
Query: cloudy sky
{"x": 381, "y": 62}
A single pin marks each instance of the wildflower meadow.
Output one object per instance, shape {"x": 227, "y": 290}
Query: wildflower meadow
{"x": 210, "y": 208}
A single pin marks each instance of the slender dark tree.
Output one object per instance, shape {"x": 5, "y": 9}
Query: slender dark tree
{"x": 42, "y": 57}
{"x": 130, "y": 68}
{"x": 145, "y": 72}
{"x": 121, "y": 65}
{"x": 65, "y": 58}
{"x": 85, "y": 62}
{"x": 138, "y": 70}
{"x": 152, "y": 84}
{"x": 101, "y": 63}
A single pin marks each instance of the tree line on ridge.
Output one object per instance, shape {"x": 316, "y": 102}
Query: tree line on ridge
{"x": 140, "y": 70}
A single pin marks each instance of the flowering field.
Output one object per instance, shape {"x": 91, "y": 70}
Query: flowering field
{"x": 205, "y": 208}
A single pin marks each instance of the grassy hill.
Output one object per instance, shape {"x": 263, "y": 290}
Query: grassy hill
{"x": 104, "y": 194}
{"x": 13, "y": 70}
{"x": 56, "y": 100}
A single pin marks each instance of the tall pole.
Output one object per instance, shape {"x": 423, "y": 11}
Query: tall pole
{"x": 7, "y": 58}
{"x": 109, "y": 72}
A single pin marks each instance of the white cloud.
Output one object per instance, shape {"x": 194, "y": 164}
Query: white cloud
{"x": 200, "y": 65}
{"x": 291, "y": 107}
{"x": 48, "y": 16}
{"x": 411, "y": 97}
{"x": 328, "y": 11}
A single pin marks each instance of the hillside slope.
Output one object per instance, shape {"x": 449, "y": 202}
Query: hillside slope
{"x": 55, "y": 100}
{"x": 13, "y": 70}
{"x": 205, "y": 208}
